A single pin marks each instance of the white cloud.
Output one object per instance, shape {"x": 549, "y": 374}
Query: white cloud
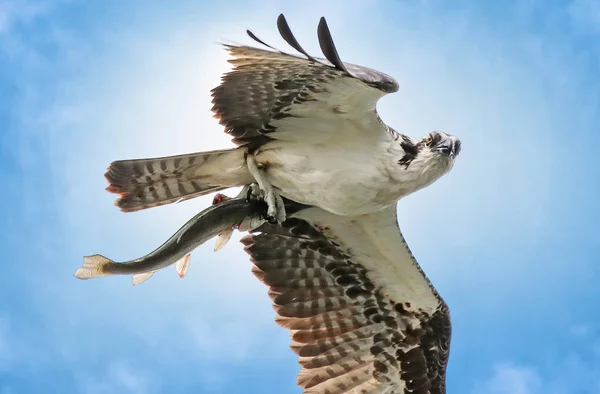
{"x": 124, "y": 376}
{"x": 511, "y": 379}
{"x": 139, "y": 97}
{"x": 145, "y": 92}
{"x": 117, "y": 377}
{"x": 574, "y": 369}
{"x": 135, "y": 95}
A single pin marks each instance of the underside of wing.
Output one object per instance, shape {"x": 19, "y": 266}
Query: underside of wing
{"x": 363, "y": 317}
{"x": 269, "y": 92}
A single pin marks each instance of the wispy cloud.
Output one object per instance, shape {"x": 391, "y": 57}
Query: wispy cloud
{"x": 511, "y": 379}
{"x": 117, "y": 377}
{"x": 140, "y": 86}
{"x": 575, "y": 369}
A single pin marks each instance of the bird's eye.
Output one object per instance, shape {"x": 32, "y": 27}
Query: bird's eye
{"x": 428, "y": 140}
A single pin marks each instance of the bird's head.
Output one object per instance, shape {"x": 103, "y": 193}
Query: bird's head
{"x": 427, "y": 159}
{"x": 441, "y": 147}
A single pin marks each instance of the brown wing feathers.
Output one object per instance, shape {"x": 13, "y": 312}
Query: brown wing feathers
{"x": 349, "y": 338}
{"x": 261, "y": 88}
{"x": 264, "y": 85}
{"x": 346, "y": 334}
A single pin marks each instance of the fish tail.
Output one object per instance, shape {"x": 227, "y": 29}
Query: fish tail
{"x": 93, "y": 267}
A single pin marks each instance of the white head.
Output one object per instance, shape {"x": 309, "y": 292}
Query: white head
{"x": 424, "y": 161}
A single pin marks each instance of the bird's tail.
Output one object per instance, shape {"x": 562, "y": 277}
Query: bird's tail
{"x": 147, "y": 183}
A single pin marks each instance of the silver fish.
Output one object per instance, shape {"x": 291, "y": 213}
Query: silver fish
{"x": 181, "y": 266}
{"x": 239, "y": 212}
{"x": 225, "y": 236}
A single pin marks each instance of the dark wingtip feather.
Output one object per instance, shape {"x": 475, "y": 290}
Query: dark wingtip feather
{"x": 288, "y": 36}
{"x": 255, "y": 38}
{"x": 327, "y": 45}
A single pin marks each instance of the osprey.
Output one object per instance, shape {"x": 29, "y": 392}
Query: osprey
{"x": 364, "y": 317}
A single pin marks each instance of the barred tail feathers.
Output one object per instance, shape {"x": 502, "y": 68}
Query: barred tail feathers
{"x": 147, "y": 183}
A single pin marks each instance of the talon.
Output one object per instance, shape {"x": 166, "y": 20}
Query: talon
{"x": 275, "y": 205}
{"x": 253, "y": 192}
{"x": 281, "y": 214}
{"x": 249, "y": 194}
{"x": 253, "y": 197}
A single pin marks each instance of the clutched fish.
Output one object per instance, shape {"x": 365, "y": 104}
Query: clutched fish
{"x": 225, "y": 236}
{"x": 243, "y": 212}
{"x": 181, "y": 266}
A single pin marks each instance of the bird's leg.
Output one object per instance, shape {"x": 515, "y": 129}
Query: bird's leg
{"x": 252, "y": 192}
{"x": 281, "y": 214}
{"x": 275, "y": 205}
{"x": 253, "y": 196}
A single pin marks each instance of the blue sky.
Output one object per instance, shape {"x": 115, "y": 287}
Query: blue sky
{"x": 510, "y": 237}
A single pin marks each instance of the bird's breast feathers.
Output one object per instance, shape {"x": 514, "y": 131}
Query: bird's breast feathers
{"x": 340, "y": 177}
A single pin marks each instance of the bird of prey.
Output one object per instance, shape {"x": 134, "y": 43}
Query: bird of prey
{"x": 364, "y": 317}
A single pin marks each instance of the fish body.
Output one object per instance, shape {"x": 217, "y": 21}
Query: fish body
{"x": 216, "y": 219}
{"x": 225, "y": 236}
{"x": 182, "y": 265}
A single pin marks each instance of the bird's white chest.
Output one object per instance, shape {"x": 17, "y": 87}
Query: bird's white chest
{"x": 342, "y": 180}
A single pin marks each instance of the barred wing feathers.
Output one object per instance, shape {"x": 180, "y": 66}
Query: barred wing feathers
{"x": 271, "y": 94}
{"x": 268, "y": 95}
{"x": 363, "y": 316}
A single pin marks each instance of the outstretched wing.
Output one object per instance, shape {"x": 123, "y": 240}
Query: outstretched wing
{"x": 270, "y": 94}
{"x": 363, "y": 316}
